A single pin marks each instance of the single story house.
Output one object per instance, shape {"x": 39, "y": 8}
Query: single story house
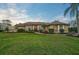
{"x": 37, "y": 26}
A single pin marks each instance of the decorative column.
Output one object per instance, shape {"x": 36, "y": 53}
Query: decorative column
{"x": 33, "y": 27}
{"x": 58, "y": 28}
{"x": 63, "y": 26}
{"x": 38, "y": 27}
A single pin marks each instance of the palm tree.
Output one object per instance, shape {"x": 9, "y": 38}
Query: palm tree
{"x": 74, "y": 12}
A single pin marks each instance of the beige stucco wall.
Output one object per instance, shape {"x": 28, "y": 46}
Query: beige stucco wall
{"x": 66, "y": 29}
{"x": 50, "y": 27}
{"x": 39, "y": 27}
{"x": 57, "y": 28}
{"x": 28, "y": 27}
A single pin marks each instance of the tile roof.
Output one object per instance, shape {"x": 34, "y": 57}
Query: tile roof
{"x": 33, "y": 23}
{"x": 57, "y": 22}
{"x": 20, "y": 25}
{"x": 38, "y": 23}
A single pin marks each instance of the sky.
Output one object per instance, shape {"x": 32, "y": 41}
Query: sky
{"x": 34, "y": 12}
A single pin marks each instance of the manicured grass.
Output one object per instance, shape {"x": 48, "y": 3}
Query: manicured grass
{"x": 38, "y": 44}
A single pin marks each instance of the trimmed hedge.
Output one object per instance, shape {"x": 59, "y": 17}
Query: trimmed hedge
{"x": 1, "y": 30}
{"x": 31, "y": 31}
{"x": 20, "y": 30}
{"x": 61, "y": 30}
{"x": 51, "y": 31}
{"x": 41, "y": 31}
{"x": 73, "y": 29}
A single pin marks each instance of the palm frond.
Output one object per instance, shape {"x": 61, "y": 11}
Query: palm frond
{"x": 74, "y": 9}
{"x": 66, "y": 11}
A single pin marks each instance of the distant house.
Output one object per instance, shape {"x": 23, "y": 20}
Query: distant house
{"x": 36, "y": 26}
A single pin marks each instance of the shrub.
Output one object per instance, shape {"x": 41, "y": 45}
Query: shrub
{"x": 20, "y": 30}
{"x": 51, "y": 31}
{"x": 41, "y": 31}
{"x": 73, "y": 29}
{"x": 61, "y": 30}
{"x": 46, "y": 32}
{"x": 35, "y": 30}
{"x": 1, "y": 30}
{"x": 30, "y": 31}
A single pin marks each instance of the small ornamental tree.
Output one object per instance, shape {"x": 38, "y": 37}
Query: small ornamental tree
{"x": 7, "y": 29}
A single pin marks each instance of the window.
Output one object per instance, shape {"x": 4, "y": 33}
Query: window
{"x": 61, "y": 26}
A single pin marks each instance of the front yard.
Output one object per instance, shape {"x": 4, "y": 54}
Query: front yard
{"x": 38, "y": 44}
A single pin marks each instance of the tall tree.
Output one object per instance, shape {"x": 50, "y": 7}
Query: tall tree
{"x": 6, "y": 24}
{"x": 74, "y": 12}
{"x": 7, "y": 29}
{"x": 73, "y": 23}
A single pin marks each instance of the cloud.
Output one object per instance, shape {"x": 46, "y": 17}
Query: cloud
{"x": 3, "y": 14}
{"x": 16, "y": 16}
{"x": 13, "y": 15}
{"x": 21, "y": 16}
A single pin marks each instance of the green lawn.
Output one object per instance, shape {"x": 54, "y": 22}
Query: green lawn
{"x": 38, "y": 44}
